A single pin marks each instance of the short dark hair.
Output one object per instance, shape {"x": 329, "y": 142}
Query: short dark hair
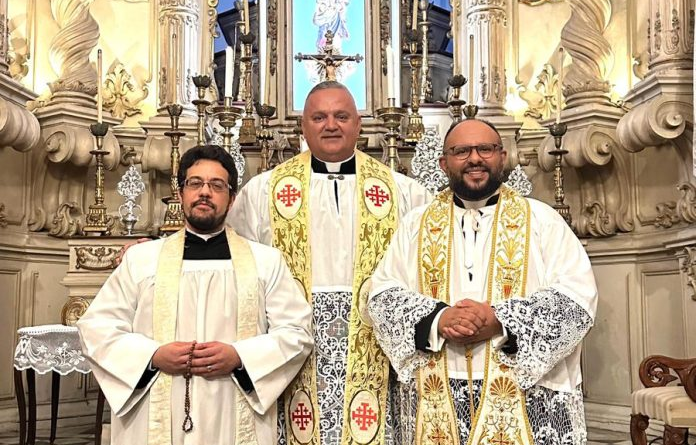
{"x": 213, "y": 153}
{"x": 456, "y": 124}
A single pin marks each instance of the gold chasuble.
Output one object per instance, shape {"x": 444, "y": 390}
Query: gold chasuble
{"x": 164, "y": 328}
{"x": 501, "y": 417}
{"x": 367, "y": 372}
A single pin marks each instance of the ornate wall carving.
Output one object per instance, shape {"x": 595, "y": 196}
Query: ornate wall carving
{"x": 655, "y": 122}
{"x": 688, "y": 267}
{"x": 122, "y": 94}
{"x": 542, "y": 101}
{"x": 19, "y": 128}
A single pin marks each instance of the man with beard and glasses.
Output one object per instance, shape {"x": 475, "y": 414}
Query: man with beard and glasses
{"x": 481, "y": 303}
{"x": 194, "y": 337}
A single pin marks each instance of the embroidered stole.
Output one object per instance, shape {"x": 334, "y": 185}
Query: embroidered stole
{"x": 164, "y": 319}
{"x": 367, "y": 371}
{"x": 501, "y": 417}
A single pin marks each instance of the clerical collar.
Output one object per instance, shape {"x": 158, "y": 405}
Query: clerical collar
{"x": 213, "y": 246}
{"x": 464, "y": 204}
{"x": 346, "y": 167}
{"x": 205, "y": 236}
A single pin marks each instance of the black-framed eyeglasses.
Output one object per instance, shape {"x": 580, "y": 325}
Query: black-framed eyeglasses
{"x": 462, "y": 152}
{"x": 216, "y": 185}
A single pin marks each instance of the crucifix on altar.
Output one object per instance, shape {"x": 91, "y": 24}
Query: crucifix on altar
{"x": 327, "y": 61}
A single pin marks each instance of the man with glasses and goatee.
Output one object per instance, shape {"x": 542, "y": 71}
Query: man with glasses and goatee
{"x": 194, "y": 337}
{"x": 481, "y": 303}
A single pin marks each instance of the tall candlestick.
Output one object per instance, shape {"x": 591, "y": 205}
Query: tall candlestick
{"x": 414, "y": 17}
{"x": 471, "y": 69}
{"x": 229, "y": 71}
{"x": 559, "y": 100}
{"x": 99, "y": 86}
{"x": 247, "y": 29}
{"x": 390, "y": 72}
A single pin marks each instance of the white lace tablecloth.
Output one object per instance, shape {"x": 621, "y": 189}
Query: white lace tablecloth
{"x": 50, "y": 348}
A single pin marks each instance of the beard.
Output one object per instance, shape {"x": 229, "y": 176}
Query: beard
{"x": 207, "y": 222}
{"x": 468, "y": 193}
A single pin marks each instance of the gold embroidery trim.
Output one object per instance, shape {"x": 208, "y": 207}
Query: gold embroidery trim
{"x": 291, "y": 236}
{"x": 164, "y": 317}
{"x": 436, "y": 419}
{"x": 367, "y": 370}
{"x": 507, "y": 273}
{"x": 507, "y": 277}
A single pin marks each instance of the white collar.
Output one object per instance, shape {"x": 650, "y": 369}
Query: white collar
{"x": 205, "y": 236}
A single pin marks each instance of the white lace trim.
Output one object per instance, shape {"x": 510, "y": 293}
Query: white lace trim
{"x": 548, "y": 326}
{"x": 395, "y": 313}
{"x": 50, "y": 348}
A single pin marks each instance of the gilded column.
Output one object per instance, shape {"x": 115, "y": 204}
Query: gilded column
{"x": 583, "y": 38}
{"x": 179, "y": 53}
{"x": 487, "y": 22}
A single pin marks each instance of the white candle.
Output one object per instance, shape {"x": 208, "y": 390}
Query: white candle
{"x": 99, "y": 86}
{"x": 471, "y": 69}
{"x": 264, "y": 59}
{"x": 390, "y": 72}
{"x": 247, "y": 29}
{"x": 414, "y": 18}
{"x": 229, "y": 71}
{"x": 455, "y": 47}
{"x": 559, "y": 101}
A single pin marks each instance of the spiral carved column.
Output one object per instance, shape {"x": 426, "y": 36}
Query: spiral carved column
{"x": 583, "y": 37}
{"x": 70, "y": 49}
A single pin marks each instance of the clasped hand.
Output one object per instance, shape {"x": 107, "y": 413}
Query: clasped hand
{"x": 210, "y": 359}
{"x": 469, "y": 322}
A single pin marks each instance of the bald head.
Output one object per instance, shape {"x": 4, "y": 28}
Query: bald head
{"x": 331, "y": 122}
{"x": 472, "y": 132}
{"x": 473, "y": 159}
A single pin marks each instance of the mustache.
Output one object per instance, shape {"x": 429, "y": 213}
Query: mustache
{"x": 206, "y": 202}
{"x": 478, "y": 167}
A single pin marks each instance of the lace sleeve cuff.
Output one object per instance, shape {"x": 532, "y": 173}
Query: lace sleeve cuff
{"x": 548, "y": 326}
{"x": 395, "y": 313}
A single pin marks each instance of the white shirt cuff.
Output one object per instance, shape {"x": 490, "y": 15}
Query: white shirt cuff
{"x": 435, "y": 342}
{"x": 498, "y": 341}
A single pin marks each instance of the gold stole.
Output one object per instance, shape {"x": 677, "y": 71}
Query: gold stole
{"x": 164, "y": 316}
{"x": 367, "y": 371}
{"x": 501, "y": 417}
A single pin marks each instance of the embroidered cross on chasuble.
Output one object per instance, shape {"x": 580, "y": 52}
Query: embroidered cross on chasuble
{"x": 367, "y": 372}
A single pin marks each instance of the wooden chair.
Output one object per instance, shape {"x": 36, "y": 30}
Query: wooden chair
{"x": 674, "y": 405}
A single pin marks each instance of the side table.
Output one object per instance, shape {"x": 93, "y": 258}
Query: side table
{"x": 43, "y": 349}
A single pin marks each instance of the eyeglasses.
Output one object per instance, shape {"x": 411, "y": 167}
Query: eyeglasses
{"x": 462, "y": 152}
{"x": 216, "y": 185}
